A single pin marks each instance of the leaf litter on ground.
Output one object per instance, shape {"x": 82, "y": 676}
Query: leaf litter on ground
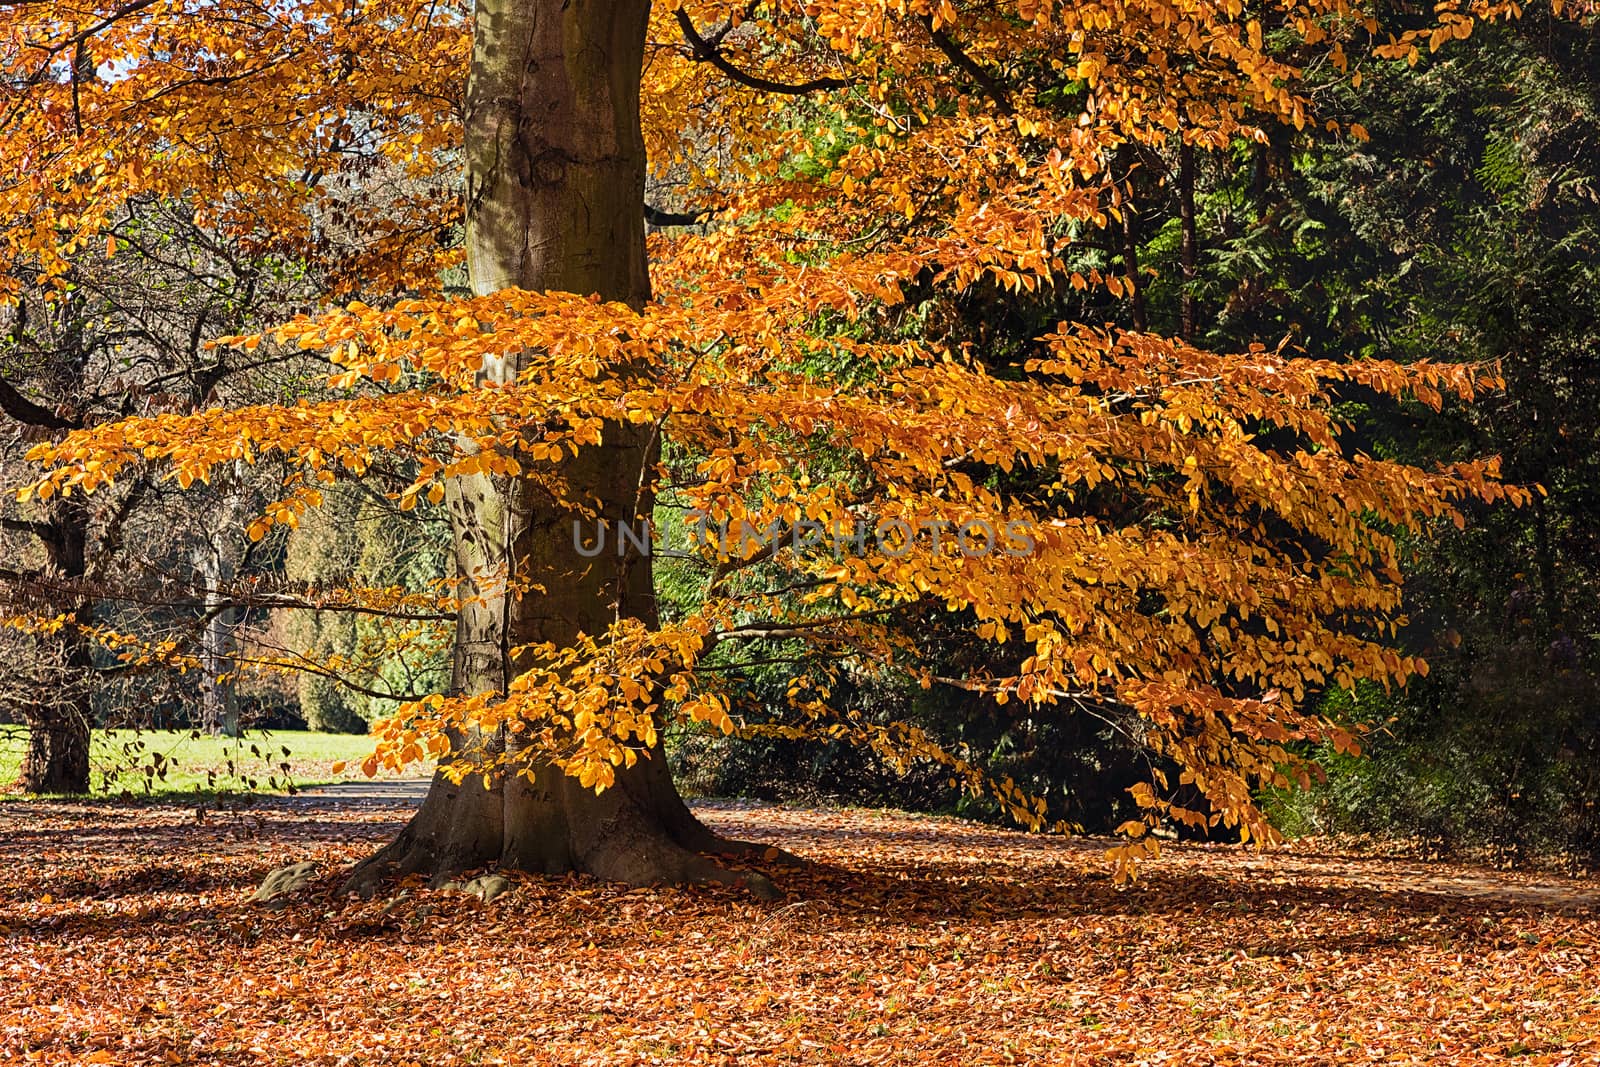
{"x": 128, "y": 939}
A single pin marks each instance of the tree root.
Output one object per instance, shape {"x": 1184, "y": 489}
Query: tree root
{"x": 715, "y": 844}
{"x": 639, "y": 833}
{"x": 652, "y": 858}
{"x": 635, "y": 856}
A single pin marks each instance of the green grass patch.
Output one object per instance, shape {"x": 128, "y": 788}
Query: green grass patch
{"x": 183, "y": 763}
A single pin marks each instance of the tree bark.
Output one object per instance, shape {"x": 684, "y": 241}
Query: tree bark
{"x": 219, "y": 704}
{"x": 57, "y": 759}
{"x": 1130, "y": 246}
{"x": 58, "y": 715}
{"x": 215, "y": 562}
{"x": 555, "y": 201}
{"x": 1188, "y": 255}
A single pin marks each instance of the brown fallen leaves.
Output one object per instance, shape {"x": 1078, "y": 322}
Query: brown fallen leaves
{"x": 125, "y": 939}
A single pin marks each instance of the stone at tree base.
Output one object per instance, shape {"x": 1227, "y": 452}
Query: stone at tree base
{"x": 485, "y": 887}
{"x": 285, "y": 881}
{"x": 399, "y": 899}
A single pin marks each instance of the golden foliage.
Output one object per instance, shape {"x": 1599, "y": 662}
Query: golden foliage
{"x": 1257, "y": 573}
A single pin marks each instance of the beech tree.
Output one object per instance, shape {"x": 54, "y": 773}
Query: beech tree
{"x": 764, "y": 381}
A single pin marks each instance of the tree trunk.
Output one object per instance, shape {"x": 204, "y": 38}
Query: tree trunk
{"x": 1130, "y": 245}
{"x": 58, "y": 714}
{"x": 57, "y": 760}
{"x": 219, "y": 705}
{"x": 1188, "y": 255}
{"x": 555, "y": 201}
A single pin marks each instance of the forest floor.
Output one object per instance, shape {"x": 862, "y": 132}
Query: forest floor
{"x": 126, "y": 938}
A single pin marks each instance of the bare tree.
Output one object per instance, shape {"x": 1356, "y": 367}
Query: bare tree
{"x": 126, "y": 334}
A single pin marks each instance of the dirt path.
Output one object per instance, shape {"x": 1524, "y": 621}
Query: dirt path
{"x": 396, "y": 792}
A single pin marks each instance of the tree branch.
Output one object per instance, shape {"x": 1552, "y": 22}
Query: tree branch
{"x": 656, "y": 217}
{"x": 767, "y": 630}
{"x": 986, "y": 81}
{"x": 111, "y": 530}
{"x": 183, "y": 599}
{"x": 23, "y": 410}
{"x": 707, "y": 52}
{"x": 37, "y": 529}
